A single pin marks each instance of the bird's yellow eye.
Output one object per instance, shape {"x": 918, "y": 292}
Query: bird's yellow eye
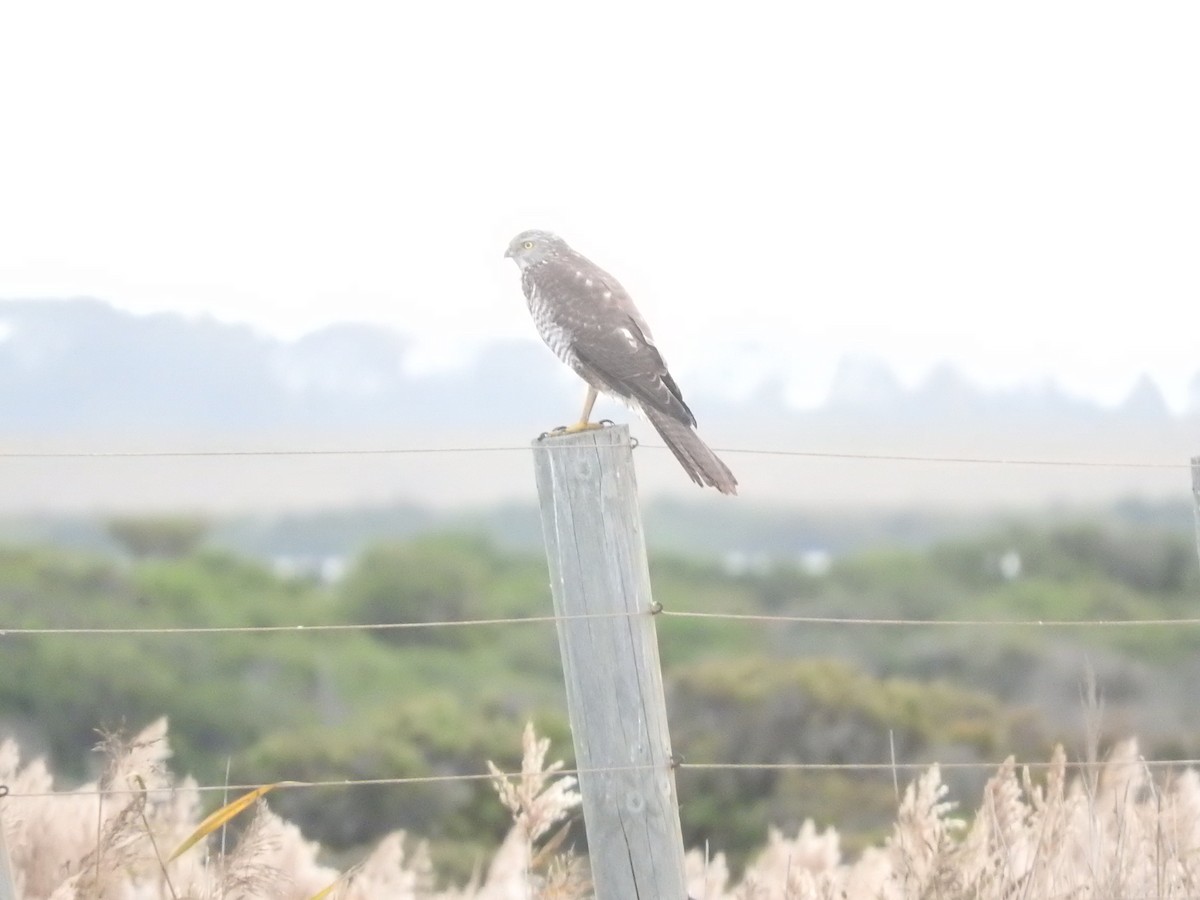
{"x": 528, "y": 245}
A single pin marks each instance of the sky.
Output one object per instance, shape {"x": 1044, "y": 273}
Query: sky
{"x": 1010, "y": 188}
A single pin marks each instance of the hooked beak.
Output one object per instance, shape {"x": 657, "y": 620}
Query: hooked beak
{"x": 508, "y": 253}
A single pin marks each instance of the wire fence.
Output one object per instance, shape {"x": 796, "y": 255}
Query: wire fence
{"x": 679, "y": 766}
{"x": 510, "y": 448}
{"x": 299, "y": 628}
{"x": 765, "y": 619}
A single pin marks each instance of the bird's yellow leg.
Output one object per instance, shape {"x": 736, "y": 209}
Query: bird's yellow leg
{"x": 583, "y": 424}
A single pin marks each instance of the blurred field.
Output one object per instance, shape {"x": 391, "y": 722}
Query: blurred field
{"x": 312, "y": 705}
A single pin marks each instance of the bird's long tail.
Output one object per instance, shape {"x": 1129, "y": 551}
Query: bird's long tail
{"x": 704, "y": 466}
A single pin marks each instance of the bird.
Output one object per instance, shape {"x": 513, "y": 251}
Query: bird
{"x": 590, "y": 323}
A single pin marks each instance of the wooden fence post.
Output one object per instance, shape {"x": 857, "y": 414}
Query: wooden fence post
{"x": 8, "y": 887}
{"x": 597, "y": 558}
{"x": 1196, "y": 497}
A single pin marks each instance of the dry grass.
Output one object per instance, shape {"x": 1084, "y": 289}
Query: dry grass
{"x": 1119, "y": 835}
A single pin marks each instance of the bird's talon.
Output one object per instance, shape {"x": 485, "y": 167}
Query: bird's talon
{"x": 573, "y": 429}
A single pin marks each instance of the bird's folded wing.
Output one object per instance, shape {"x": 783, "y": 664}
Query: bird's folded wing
{"x": 633, "y": 369}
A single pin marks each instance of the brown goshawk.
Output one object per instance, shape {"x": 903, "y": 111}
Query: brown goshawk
{"x": 591, "y": 324}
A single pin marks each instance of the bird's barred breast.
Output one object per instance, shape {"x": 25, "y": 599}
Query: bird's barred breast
{"x": 549, "y": 326}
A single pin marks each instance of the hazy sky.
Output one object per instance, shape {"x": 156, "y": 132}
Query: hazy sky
{"x": 1012, "y": 187}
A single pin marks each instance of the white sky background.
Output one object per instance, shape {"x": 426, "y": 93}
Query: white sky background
{"x": 1012, "y": 187}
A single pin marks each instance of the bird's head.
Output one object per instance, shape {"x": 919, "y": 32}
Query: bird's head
{"x": 529, "y": 248}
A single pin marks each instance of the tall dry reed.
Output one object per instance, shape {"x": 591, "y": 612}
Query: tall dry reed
{"x": 1117, "y": 833}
